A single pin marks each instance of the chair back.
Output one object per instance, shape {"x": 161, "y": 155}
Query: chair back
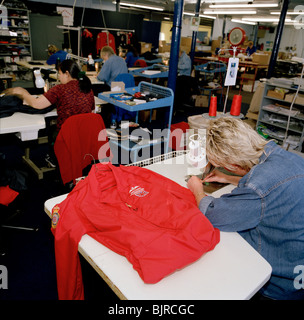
{"x": 120, "y": 113}
{"x": 127, "y": 79}
{"x": 140, "y": 63}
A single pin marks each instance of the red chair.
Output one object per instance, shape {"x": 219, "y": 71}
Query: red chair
{"x": 140, "y": 63}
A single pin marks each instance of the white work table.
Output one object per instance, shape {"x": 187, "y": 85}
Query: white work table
{"x": 233, "y": 270}
{"x": 24, "y": 124}
{"x": 26, "y": 127}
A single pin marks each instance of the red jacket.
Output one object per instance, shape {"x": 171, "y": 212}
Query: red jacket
{"x": 80, "y": 138}
{"x": 151, "y": 220}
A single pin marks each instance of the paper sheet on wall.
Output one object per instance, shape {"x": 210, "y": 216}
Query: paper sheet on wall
{"x": 67, "y": 15}
{"x": 3, "y": 17}
{"x": 231, "y": 74}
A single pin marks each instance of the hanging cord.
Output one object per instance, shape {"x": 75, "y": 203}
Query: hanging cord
{"x": 292, "y": 103}
{"x": 103, "y": 19}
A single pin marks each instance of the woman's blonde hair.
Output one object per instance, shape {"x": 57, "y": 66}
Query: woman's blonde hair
{"x": 231, "y": 142}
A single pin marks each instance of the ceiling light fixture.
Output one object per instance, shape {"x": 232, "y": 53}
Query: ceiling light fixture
{"x": 187, "y": 13}
{"x": 288, "y": 12}
{"x": 224, "y": 1}
{"x": 259, "y": 5}
{"x": 227, "y": 12}
{"x": 142, "y": 6}
{"x": 242, "y": 21}
{"x": 205, "y": 16}
{"x": 265, "y": 19}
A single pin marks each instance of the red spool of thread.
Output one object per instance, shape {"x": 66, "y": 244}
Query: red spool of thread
{"x": 213, "y": 106}
{"x": 236, "y": 105}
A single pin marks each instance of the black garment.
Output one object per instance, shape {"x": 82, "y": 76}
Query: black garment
{"x": 15, "y": 179}
{"x": 11, "y": 104}
{"x": 186, "y": 86}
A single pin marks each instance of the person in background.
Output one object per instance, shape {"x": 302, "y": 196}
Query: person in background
{"x": 250, "y": 49}
{"x": 54, "y": 54}
{"x": 266, "y": 207}
{"x": 131, "y": 56}
{"x": 112, "y": 67}
{"x": 184, "y": 66}
{"x": 186, "y": 85}
{"x": 73, "y": 96}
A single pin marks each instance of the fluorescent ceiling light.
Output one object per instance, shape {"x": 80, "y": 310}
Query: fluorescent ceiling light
{"x": 248, "y": 6}
{"x": 288, "y": 12}
{"x": 229, "y": 12}
{"x": 265, "y": 19}
{"x": 140, "y": 6}
{"x": 245, "y": 22}
{"x": 201, "y": 15}
{"x": 189, "y": 13}
{"x": 224, "y": 1}
{"x": 205, "y": 16}
{"x": 291, "y": 23}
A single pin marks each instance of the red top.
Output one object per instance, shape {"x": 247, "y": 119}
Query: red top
{"x": 69, "y": 100}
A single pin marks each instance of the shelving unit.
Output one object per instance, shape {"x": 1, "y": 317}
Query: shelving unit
{"x": 273, "y": 117}
{"x": 15, "y": 41}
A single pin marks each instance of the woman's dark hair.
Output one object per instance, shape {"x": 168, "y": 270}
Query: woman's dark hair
{"x": 72, "y": 67}
{"x": 133, "y": 50}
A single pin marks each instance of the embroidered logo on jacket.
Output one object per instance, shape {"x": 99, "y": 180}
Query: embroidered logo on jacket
{"x": 55, "y": 216}
{"x": 138, "y": 192}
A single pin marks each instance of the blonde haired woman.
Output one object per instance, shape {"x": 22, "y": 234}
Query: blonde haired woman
{"x": 266, "y": 207}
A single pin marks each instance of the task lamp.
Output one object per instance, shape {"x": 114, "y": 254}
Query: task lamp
{"x": 39, "y": 82}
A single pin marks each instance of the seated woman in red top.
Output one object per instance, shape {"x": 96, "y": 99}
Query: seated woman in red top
{"x": 73, "y": 96}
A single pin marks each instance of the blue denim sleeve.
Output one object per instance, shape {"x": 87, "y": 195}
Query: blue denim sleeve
{"x": 104, "y": 74}
{"x": 239, "y": 210}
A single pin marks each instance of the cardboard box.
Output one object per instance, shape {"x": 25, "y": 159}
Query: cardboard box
{"x": 164, "y": 48}
{"x": 144, "y": 115}
{"x": 186, "y": 42}
{"x": 276, "y": 94}
{"x": 117, "y": 86}
{"x": 260, "y": 58}
{"x": 145, "y": 47}
{"x": 299, "y": 99}
{"x": 215, "y": 44}
{"x": 185, "y": 48}
{"x": 202, "y": 101}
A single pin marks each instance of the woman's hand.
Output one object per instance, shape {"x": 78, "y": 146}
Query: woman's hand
{"x": 40, "y": 102}
{"x": 218, "y": 176}
{"x": 196, "y": 187}
{"x": 18, "y": 91}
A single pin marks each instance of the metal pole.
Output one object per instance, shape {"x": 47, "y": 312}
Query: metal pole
{"x": 175, "y": 43}
{"x": 194, "y": 33}
{"x": 117, "y": 5}
{"x": 255, "y": 39}
{"x": 276, "y": 46}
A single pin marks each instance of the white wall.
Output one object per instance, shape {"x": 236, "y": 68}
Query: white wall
{"x": 89, "y": 4}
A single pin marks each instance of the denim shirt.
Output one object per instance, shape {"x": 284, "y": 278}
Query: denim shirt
{"x": 184, "y": 65}
{"x": 267, "y": 209}
{"x": 114, "y": 66}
